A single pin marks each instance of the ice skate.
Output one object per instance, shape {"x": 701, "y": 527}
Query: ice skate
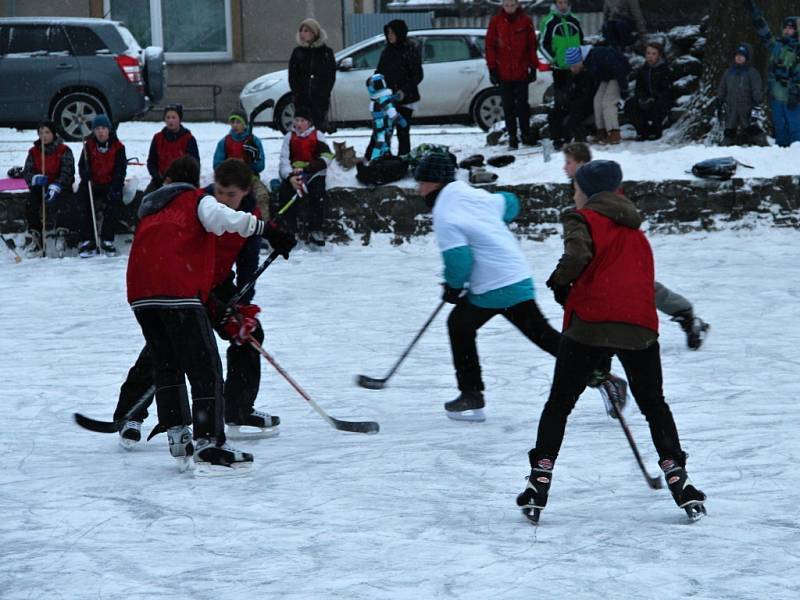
{"x": 61, "y": 242}
{"x": 87, "y": 249}
{"x": 33, "y": 245}
{"x": 533, "y": 498}
{"x": 257, "y": 424}
{"x": 467, "y": 407}
{"x": 180, "y": 445}
{"x": 108, "y": 247}
{"x": 130, "y": 434}
{"x": 694, "y": 327}
{"x": 213, "y": 460}
{"x": 686, "y": 495}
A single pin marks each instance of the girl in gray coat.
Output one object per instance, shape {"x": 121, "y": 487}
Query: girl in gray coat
{"x": 740, "y": 90}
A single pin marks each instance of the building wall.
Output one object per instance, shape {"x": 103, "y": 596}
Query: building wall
{"x": 44, "y": 8}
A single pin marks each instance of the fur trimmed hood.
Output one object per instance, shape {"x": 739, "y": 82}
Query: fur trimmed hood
{"x": 321, "y": 36}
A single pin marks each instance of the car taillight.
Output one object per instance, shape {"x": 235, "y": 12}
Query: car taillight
{"x": 131, "y": 69}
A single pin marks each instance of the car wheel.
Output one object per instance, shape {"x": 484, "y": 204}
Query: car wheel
{"x": 488, "y": 109}
{"x": 73, "y": 115}
{"x": 284, "y": 114}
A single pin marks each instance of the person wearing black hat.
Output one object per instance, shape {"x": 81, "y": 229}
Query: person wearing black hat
{"x": 740, "y": 91}
{"x": 605, "y": 281}
{"x": 304, "y": 160}
{"x": 103, "y": 166}
{"x": 172, "y": 142}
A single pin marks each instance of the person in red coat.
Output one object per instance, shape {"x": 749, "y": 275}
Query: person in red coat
{"x": 512, "y": 62}
{"x": 172, "y": 142}
{"x": 605, "y": 281}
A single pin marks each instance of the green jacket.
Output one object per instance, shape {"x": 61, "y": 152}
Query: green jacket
{"x": 559, "y": 32}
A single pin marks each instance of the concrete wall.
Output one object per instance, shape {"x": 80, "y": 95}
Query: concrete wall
{"x": 44, "y": 8}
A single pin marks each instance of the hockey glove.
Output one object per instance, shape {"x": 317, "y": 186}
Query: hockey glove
{"x": 252, "y": 152}
{"x": 493, "y": 78}
{"x": 53, "y": 190}
{"x": 39, "y": 180}
{"x": 560, "y": 292}
{"x": 242, "y": 323}
{"x": 453, "y": 295}
{"x": 281, "y": 240}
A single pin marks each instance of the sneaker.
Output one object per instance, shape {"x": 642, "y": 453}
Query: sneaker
{"x": 694, "y": 327}
{"x": 685, "y": 494}
{"x": 212, "y": 459}
{"x": 257, "y": 424}
{"x": 87, "y": 249}
{"x": 180, "y": 445}
{"x": 467, "y": 407}
{"x": 108, "y": 247}
{"x": 130, "y": 434}
{"x": 317, "y": 238}
{"x": 533, "y": 498}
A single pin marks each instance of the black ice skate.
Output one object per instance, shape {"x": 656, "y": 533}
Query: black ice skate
{"x": 467, "y": 407}
{"x": 213, "y": 460}
{"x": 108, "y": 247}
{"x": 130, "y": 434}
{"x": 533, "y": 498}
{"x": 257, "y": 424}
{"x": 694, "y": 327}
{"x": 683, "y": 491}
{"x": 180, "y": 445}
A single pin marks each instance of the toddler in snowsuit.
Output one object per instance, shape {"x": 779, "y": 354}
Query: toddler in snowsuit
{"x": 384, "y": 117}
{"x": 740, "y": 90}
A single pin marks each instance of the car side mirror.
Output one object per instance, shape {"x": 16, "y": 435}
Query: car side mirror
{"x": 346, "y": 64}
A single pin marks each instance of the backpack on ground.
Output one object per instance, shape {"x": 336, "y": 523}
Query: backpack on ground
{"x": 381, "y": 171}
{"x": 721, "y": 169}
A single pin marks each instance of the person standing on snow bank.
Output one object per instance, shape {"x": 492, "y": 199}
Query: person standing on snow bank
{"x": 621, "y": 18}
{"x": 52, "y": 175}
{"x": 172, "y": 142}
{"x": 312, "y": 72}
{"x": 605, "y": 281}
{"x": 653, "y": 98}
{"x": 784, "y": 75}
{"x": 512, "y": 62}
{"x": 560, "y": 30}
{"x": 740, "y": 91}
{"x": 103, "y": 165}
{"x": 170, "y": 276}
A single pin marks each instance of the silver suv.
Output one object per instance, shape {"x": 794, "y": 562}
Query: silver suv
{"x": 70, "y": 70}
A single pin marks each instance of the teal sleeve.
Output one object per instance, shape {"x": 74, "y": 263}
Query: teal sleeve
{"x": 512, "y": 206}
{"x": 219, "y": 153}
{"x": 457, "y": 266}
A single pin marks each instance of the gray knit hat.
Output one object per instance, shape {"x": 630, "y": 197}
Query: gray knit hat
{"x": 599, "y": 176}
{"x": 435, "y": 167}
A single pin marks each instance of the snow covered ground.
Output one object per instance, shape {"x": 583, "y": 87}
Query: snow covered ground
{"x": 424, "y": 509}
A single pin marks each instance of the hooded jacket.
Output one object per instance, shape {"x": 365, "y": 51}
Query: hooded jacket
{"x": 655, "y": 82}
{"x": 511, "y": 45}
{"x": 626, "y": 9}
{"x": 741, "y": 87}
{"x": 400, "y": 63}
{"x": 59, "y": 163}
{"x": 606, "y": 64}
{"x": 312, "y": 70}
{"x": 559, "y": 31}
{"x": 784, "y": 59}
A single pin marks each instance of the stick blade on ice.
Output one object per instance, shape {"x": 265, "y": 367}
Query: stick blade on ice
{"x": 370, "y": 383}
{"x": 95, "y": 425}
{"x": 356, "y": 426}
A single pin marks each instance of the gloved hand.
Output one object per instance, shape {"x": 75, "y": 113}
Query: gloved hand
{"x": 398, "y": 96}
{"x": 453, "y": 295}
{"x": 493, "y": 78}
{"x": 252, "y": 152}
{"x": 53, "y": 190}
{"x": 39, "y": 180}
{"x": 281, "y": 240}
{"x": 532, "y": 74}
{"x": 299, "y": 181}
{"x": 242, "y": 322}
{"x": 560, "y": 292}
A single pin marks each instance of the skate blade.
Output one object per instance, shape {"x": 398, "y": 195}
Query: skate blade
{"x": 127, "y": 444}
{"x": 184, "y": 462}
{"x": 473, "y": 415}
{"x": 244, "y": 432}
{"x": 205, "y": 469}
{"x": 695, "y": 510}
{"x": 532, "y": 514}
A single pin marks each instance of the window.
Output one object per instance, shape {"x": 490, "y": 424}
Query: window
{"x": 197, "y": 31}
{"x": 480, "y": 43}
{"x": 85, "y": 41}
{"x": 445, "y": 49}
{"x": 367, "y": 58}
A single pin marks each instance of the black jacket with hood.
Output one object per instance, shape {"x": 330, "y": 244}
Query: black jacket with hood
{"x": 400, "y": 63}
{"x": 312, "y": 70}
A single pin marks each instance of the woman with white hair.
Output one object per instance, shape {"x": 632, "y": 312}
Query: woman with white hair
{"x": 312, "y": 72}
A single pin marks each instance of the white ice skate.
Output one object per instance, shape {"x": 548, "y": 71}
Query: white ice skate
{"x": 180, "y": 445}
{"x": 211, "y": 460}
{"x": 130, "y": 435}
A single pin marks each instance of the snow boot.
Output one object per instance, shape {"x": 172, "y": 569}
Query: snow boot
{"x": 33, "y": 244}
{"x": 685, "y": 494}
{"x": 257, "y": 424}
{"x": 219, "y": 460}
{"x": 108, "y": 247}
{"x": 180, "y": 445}
{"x": 87, "y": 249}
{"x": 467, "y": 407}
{"x": 728, "y": 138}
{"x": 600, "y": 137}
{"x": 614, "y": 137}
{"x": 513, "y": 143}
{"x": 695, "y": 328}
{"x": 533, "y": 498}
{"x": 475, "y": 160}
{"x": 130, "y": 434}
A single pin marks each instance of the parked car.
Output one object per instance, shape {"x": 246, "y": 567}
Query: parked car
{"x": 456, "y": 86}
{"x": 69, "y": 70}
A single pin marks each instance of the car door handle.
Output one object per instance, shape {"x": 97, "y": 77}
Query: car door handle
{"x": 467, "y": 70}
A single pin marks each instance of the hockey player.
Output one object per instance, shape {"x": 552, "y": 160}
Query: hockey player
{"x": 485, "y": 275}
{"x": 170, "y": 276}
{"x": 676, "y": 306}
{"x": 172, "y": 142}
{"x": 384, "y": 117}
{"x": 231, "y": 187}
{"x": 605, "y": 281}
{"x": 102, "y": 165}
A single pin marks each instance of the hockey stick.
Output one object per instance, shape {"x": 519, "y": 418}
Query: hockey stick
{"x": 44, "y": 202}
{"x": 116, "y": 424}
{"x": 352, "y": 426}
{"x": 378, "y": 384}
{"x": 91, "y": 197}
{"x": 654, "y": 482}
{"x": 11, "y": 248}
{"x": 249, "y": 285}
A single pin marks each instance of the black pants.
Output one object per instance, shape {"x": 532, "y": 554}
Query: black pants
{"x": 61, "y": 212}
{"x": 464, "y": 322}
{"x": 619, "y": 32}
{"x": 575, "y": 362}
{"x": 112, "y": 209}
{"x": 648, "y": 122}
{"x": 182, "y": 342}
{"x": 514, "y": 95}
{"x": 404, "y": 133}
{"x": 308, "y": 211}
{"x": 241, "y": 383}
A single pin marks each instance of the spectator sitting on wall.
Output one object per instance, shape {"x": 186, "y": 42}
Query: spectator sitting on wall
{"x": 560, "y": 30}
{"x": 173, "y": 141}
{"x": 740, "y": 91}
{"x": 621, "y": 18}
{"x": 312, "y": 72}
{"x": 653, "y": 98}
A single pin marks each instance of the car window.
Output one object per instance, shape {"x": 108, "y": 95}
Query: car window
{"x": 57, "y": 41}
{"x": 37, "y": 39}
{"x": 480, "y": 43}
{"x": 445, "y": 49}
{"x": 85, "y": 42}
{"x": 3, "y": 40}
{"x": 367, "y": 58}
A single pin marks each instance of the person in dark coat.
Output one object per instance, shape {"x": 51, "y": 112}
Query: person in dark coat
{"x": 621, "y": 18}
{"x": 312, "y": 72}
{"x": 605, "y": 281}
{"x": 401, "y": 65}
{"x": 740, "y": 91}
{"x": 653, "y": 97}
{"x": 173, "y": 141}
{"x": 572, "y": 107}
{"x": 513, "y": 63}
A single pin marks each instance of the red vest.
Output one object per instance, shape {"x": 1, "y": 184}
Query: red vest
{"x": 172, "y": 254}
{"x": 101, "y": 164}
{"x": 618, "y": 284}
{"x": 52, "y": 161}
{"x": 303, "y": 148}
{"x": 229, "y": 245}
{"x": 234, "y": 149}
{"x": 170, "y": 150}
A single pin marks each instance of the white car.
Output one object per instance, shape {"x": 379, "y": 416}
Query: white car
{"x": 456, "y": 86}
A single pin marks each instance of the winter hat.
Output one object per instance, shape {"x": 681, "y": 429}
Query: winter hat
{"x": 435, "y": 167}
{"x": 743, "y": 50}
{"x": 101, "y": 121}
{"x": 599, "y": 176}
{"x": 239, "y": 115}
{"x": 573, "y": 56}
{"x": 312, "y": 24}
{"x": 791, "y": 22}
{"x": 303, "y": 112}
{"x": 178, "y": 108}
